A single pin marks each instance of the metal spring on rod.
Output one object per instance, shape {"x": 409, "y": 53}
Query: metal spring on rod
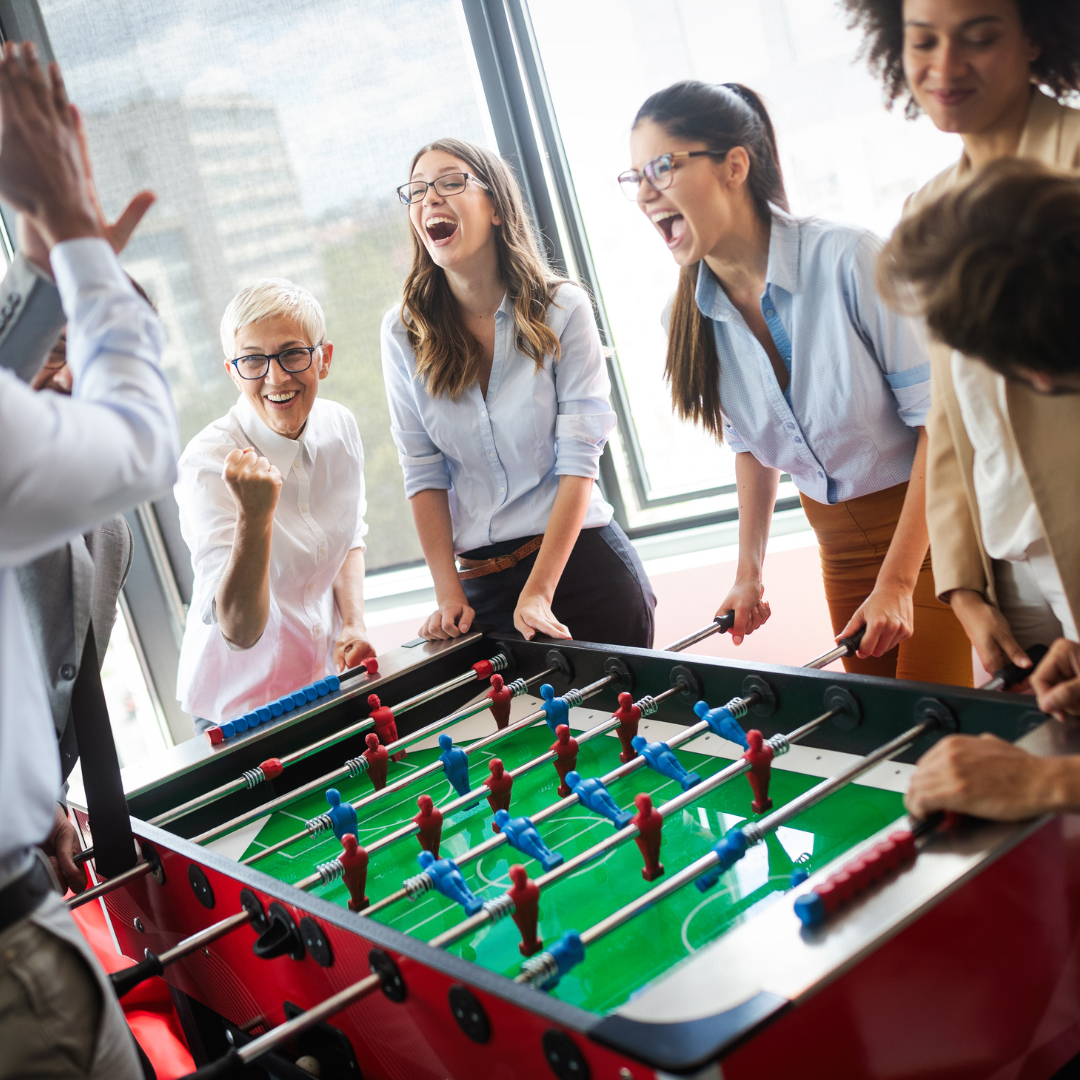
{"x": 517, "y": 687}
{"x": 500, "y": 662}
{"x": 253, "y": 777}
{"x": 753, "y": 832}
{"x": 779, "y": 743}
{"x": 648, "y": 705}
{"x": 537, "y": 970}
{"x": 417, "y": 886}
{"x": 357, "y": 765}
{"x": 573, "y": 698}
{"x": 329, "y": 871}
{"x": 737, "y": 707}
{"x": 499, "y": 908}
{"x": 319, "y": 824}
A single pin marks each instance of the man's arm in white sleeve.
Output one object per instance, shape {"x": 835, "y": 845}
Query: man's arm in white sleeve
{"x": 68, "y": 464}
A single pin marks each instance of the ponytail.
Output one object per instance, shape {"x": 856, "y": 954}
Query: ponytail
{"x": 722, "y": 117}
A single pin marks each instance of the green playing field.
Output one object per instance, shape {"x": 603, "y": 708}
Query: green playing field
{"x": 624, "y": 961}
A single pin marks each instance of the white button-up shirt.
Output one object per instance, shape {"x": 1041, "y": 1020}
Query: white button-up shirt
{"x": 67, "y": 464}
{"x": 319, "y": 519}
{"x": 500, "y": 457}
{"x": 859, "y": 371}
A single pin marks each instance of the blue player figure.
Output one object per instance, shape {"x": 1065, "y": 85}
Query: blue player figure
{"x": 722, "y": 723}
{"x": 593, "y": 794}
{"x": 342, "y": 815}
{"x": 455, "y": 763}
{"x": 521, "y": 834}
{"x": 447, "y": 879}
{"x": 661, "y": 758}
{"x": 558, "y": 712}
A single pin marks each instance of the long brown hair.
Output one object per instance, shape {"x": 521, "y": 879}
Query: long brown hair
{"x": 722, "y": 117}
{"x": 447, "y": 355}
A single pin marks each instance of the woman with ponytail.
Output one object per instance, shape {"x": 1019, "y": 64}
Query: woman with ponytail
{"x": 780, "y": 344}
{"x": 499, "y": 407}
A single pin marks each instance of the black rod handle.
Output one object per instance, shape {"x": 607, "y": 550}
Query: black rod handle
{"x": 126, "y": 980}
{"x": 1012, "y": 674}
{"x": 853, "y": 641}
{"x": 725, "y": 622}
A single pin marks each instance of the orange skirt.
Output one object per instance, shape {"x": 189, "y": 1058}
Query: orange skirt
{"x": 853, "y": 538}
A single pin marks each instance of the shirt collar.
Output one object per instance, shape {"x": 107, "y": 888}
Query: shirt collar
{"x": 782, "y": 270}
{"x": 280, "y": 451}
{"x": 507, "y": 306}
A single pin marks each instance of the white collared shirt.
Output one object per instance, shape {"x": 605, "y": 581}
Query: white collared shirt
{"x": 500, "y": 456}
{"x": 859, "y": 372}
{"x": 67, "y": 464}
{"x": 319, "y": 519}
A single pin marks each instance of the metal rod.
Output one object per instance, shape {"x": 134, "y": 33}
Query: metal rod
{"x": 308, "y": 1019}
{"x": 84, "y": 856}
{"x": 435, "y": 766}
{"x": 754, "y": 832}
{"x": 757, "y": 829}
{"x": 107, "y": 886}
{"x": 203, "y": 937}
{"x": 685, "y": 798}
{"x": 844, "y": 647}
{"x": 720, "y": 625}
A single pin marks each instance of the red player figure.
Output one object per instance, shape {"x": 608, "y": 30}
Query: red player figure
{"x": 378, "y": 760}
{"x": 649, "y": 822}
{"x": 526, "y": 897}
{"x": 500, "y": 701}
{"x": 498, "y": 784}
{"x": 760, "y": 756}
{"x": 628, "y": 715}
{"x": 429, "y": 822}
{"x": 565, "y": 750}
{"x": 385, "y": 727}
{"x": 354, "y": 859}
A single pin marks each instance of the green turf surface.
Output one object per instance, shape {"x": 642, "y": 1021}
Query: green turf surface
{"x": 627, "y": 959}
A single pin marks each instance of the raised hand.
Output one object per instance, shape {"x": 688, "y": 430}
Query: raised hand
{"x": 41, "y": 171}
{"x": 255, "y": 484}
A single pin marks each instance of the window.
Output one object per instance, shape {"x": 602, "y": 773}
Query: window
{"x": 274, "y": 136}
{"x": 844, "y": 157}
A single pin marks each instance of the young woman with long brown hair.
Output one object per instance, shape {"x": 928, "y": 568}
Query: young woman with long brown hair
{"x": 499, "y": 408}
{"x": 780, "y": 344}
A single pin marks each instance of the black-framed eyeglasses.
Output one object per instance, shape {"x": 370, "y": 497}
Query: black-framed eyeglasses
{"x": 660, "y": 172}
{"x": 451, "y": 183}
{"x": 293, "y": 360}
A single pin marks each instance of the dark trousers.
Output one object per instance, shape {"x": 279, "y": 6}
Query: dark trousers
{"x": 602, "y": 596}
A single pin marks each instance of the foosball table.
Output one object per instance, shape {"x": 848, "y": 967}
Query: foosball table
{"x": 492, "y": 858}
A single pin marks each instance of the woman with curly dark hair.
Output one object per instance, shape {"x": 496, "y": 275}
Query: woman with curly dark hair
{"x": 1003, "y": 468}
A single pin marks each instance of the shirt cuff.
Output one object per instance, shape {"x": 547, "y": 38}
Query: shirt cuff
{"x": 425, "y": 474}
{"x": 85, "y": 263}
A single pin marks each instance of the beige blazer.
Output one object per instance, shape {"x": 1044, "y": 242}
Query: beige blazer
{"x": 1046, "y": 429}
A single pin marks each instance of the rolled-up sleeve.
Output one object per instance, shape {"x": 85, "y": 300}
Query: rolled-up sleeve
{"x": 899, "y": 343}
{"x": 421, "y": 460}
{"x": 361, "y": 524}
{"x": 585, "y": 418}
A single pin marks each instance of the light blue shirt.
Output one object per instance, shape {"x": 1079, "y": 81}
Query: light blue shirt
{"x": 500, "y": 457}
{"x": 860, "y": 373}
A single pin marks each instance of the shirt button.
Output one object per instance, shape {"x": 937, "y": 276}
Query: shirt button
{"x": 67, "y": 671}
{"x": 483, "y": 413}
{"x": 491, "y": 453}
{"x": 303, "y": 508}
{"x": 769, "y": 313}
{"x": 502, "y": 491}
{"x": 790, "y": 427}
{"x": 820, "y": 473}
{"x": 797, "y": 439}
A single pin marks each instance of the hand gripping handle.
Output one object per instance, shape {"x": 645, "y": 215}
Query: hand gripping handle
{"x": 1012, "y": 674}
{"x": 724, "y": 622}
{"x": 853, "y": 641}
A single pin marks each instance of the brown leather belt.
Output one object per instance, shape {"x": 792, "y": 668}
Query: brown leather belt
{"x": 474, "y": 568}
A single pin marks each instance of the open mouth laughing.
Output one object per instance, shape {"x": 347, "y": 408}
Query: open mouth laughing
{"x": 440, "y": 228}
{"x": 281, "y": 400}
{"x": 672, "y": 224}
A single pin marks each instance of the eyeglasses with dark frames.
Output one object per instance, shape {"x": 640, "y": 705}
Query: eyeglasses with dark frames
{"x": 660, "y": 172}
{"x": 452, "y": 183}
{"x": 292, "y": 360}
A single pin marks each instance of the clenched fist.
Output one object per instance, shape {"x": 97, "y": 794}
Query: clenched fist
{"x": 255, "y": 484}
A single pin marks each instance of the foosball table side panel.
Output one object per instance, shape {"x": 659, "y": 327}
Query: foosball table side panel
{"x": 416, "y": 1039}
{"x": 985, "y": 984}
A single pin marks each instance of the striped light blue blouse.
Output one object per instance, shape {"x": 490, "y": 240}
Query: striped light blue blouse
{"x": 860, "y": 373}
{"x": 500, "y": 457}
